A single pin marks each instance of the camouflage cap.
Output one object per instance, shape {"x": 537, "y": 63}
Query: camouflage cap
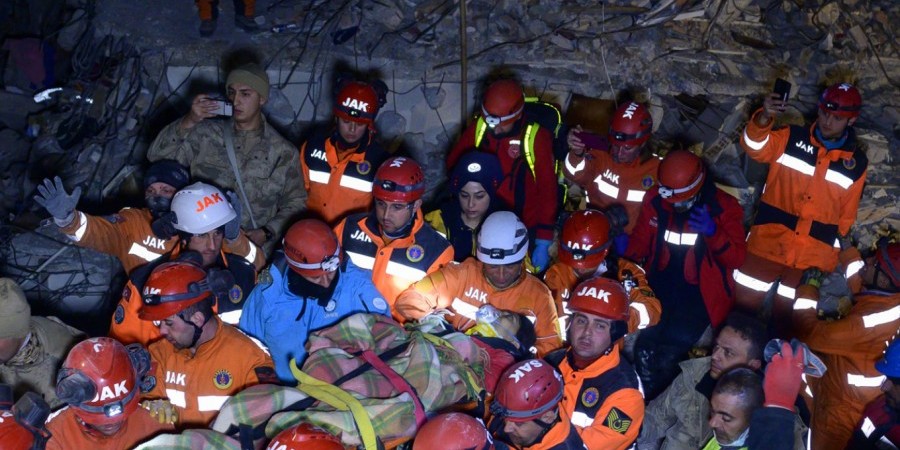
{"x": 252, "y": 75}
{"x": 15, "y": 313}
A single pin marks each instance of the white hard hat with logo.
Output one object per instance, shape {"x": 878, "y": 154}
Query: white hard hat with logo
{"x": 503, "y": 239}
{"x": 201, "y": 208}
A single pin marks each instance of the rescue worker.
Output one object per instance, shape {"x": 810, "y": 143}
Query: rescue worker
{"x": 201, "y": 361}
{"x": 526, "y": 410}
{"x": 497, "y": 276}
{"x": 849, "y": 346}
{"x": 453, "y": 431}
{"x": 525, "y": 152}
{"x": 810, "y": 199}
{"x": 102, "y": 387}
{"x": 127, "y": 234}
{"x": 602, "y": 392}
{"x": 615, "y": 180}
{"x": 879, "y": 426}
{"x": 305, "y": 437}
{"x": 678, "y": 419}
{"x": 584, "y": 244}
{"x": 473, "y": 196}
{"x": 393, "y": 241}
{"x": 31, "y": 347}
{"x": 309, "y": 286}
{"x": 208, "y": 230}
{"x": 243, "y": 154}
{"x": 689, "y": 238}
{"x": 339, "y": 162}
{"x": 244, "y": 14}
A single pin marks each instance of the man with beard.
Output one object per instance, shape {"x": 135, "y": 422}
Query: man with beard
{"x": 201, "y": 361}
{"x": 689, "y": 238}
{"x": 339, "y": 162}
{"x": 525, "y": 152}
{"x": 309, "y": 286}
{"x": 126, "y": 235}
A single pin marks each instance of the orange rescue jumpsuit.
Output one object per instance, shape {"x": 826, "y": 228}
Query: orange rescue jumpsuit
{"x": 810, "y": 198}
{"x": 645, "y": 307}
{"x": 607, "y": 183}
{"x": 397, "y": 264}
{"x": 199, "y": 384}
{"x": 603, "y": 400}
{"x": 69, "y": 434}
{"x": 849, "y": 347}
{"x": 462, "y": 288}
{"x": 125, "y": 235}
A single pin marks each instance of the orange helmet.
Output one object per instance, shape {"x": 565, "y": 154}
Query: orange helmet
{"x": 681, "y": 175}
{"x": 305, "y": 437}
{"x": 631, "y": 125}
{"x": 171, "y": 288}
{"x": 584, "y": 241}
{"x": 399, "y": 179}
{"x": 526, "y": 391}
{"x": 503, "y": 103}
{"x": 453, "y": 431}
{"x": 841, "y": 99}
{"x": 311, "y": 248}
{"x": 357, "y": 102}
{"x": 602, "y": 297}
{"x": 98, "y": 381}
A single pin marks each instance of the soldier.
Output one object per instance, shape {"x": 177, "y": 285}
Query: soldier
{"x": 243, "y": 154}
{"x": 393, "y": 240}
{"x": 126, "y": 235}
{"x": 31, "y": 348}
{"x": 339, "y": 162}
{"x": 200, "y": 362}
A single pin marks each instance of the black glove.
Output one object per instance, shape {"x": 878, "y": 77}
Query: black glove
{"x": 164, "y": 227}
{"x": 618, "y": 219}
{"x": 835, "y": 298}
{"x": 233, "y": 227}
{"x": 54, "y": 198}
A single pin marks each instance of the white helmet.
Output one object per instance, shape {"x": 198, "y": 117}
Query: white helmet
{"x": 503, "y": 239}
{"x": 201, "y": 208}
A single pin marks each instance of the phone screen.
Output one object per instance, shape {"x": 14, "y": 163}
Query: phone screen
{"x": 782, "y": 88}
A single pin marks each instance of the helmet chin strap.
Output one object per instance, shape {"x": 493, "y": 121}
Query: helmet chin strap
{"x": 197, "y": 330}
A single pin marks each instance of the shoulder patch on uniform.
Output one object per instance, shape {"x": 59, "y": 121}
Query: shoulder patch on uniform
{"x": 148, "y": 383}
{"x": 590, "y": 396}
{"x": 850, "y": 163}
{"x": 363, "y": 167}
{"x": 235, "y": 294}
{"x": 266, "y": 375}
{"x": 647, "y": 182}
{"x": 119, "y": 315}
{"x": 617, "y": 421}
{"x": 379, "y": 303}
{"x": 223, "y": 379}
{"x": 415, "y": 253}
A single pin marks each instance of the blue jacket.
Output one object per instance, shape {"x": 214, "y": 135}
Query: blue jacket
{"x": 283, "y": 320}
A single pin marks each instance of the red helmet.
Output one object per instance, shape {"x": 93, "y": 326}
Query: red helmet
{"x": 98, "y": 380}
{"x": 602, "y": 297}
{"x": 171, "y": 288}
{"x": 453, "y": 431}
{"x": 526, "y": 391}
{"x": 681, "y": 175}
{"x": 631, "y": 125}
{"x": 399, "y": 179}
{"x": 305, "y": 437}
{"x": 841, "y": 99}
{"x": 503, "y": 102}
{"x": 311, "y": 248}
{"x": 584, "y": 241}
{"x": 357, "y": 102}
{"x": 888, "y": 258}
{"x": 15, "y": 436}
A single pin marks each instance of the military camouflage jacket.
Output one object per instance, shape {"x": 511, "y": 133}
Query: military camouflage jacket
{"x": 268, "y": 163}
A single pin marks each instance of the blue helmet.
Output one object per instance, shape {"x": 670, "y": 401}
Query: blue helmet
{"x": 890, "y": 364}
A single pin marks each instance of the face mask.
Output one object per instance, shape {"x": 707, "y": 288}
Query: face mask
{"x": 158, "y": 205}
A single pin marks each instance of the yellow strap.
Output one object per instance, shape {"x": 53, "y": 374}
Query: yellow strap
{"x": 480, "y": 127}
{"x": 549, "y": 105}
{"x": 528, "y": 151}
{"x": 472, "y": 385}
{"x": 340, "y": 399}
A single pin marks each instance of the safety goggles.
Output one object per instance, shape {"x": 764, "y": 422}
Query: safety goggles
{"x": 329, "y": 264}
{"x": 668, "y": 192}
{"x": 580, "y": 254}
{"x": 492, "y": 120}
{"x": 501, "y": 253}
{"x": 392, "y": 186}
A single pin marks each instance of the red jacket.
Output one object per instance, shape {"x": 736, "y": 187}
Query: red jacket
{"x": 532, "y": 197}
{"x": 722, "y": 253}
